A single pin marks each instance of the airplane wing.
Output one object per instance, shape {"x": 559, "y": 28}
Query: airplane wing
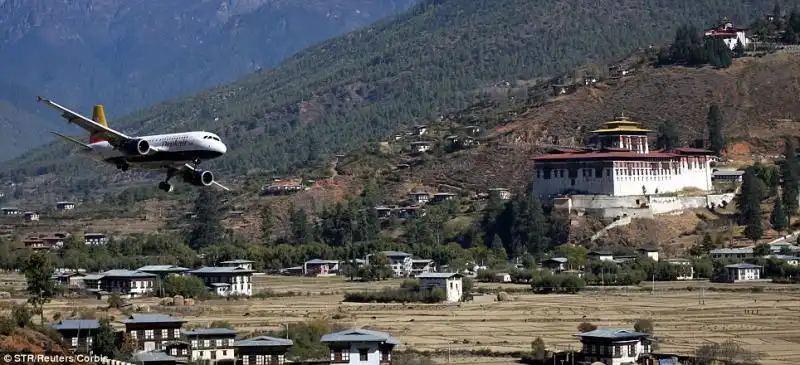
{"x": 190, "y": 167}
{"x": 73, "y": 140}
{"x": 112, "y": 136}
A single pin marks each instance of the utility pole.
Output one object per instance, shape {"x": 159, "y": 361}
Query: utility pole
{"x": 654, "y": 285}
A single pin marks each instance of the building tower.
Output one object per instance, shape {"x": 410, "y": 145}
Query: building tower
{"x": 622, "y": 133}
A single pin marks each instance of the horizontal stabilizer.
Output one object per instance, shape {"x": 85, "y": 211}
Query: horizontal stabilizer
{"x": 73, "y": 140}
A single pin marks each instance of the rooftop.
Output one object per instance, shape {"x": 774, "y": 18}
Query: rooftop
{"x": 395, "y": 254}
{"x": 613, "y": 334}
{"x": 151, "y": 318}
{"x": 743, "y": 266}
{"x": 76, "y": 324}
{"x": 359, "y": 335}
{"x": 168, "y": 268}
{"x": 438, "y": 275}
{"x": 127, "y": 274}
{"x": 221, "y": 270}
{"x": 557, "y": 259}
{"x": 263, "y": 341}
{"x": 152, "y": 356}
{"x": 236, "y": 262}
{"x": 210, "y": 332}
{"x": 731, "y": 251}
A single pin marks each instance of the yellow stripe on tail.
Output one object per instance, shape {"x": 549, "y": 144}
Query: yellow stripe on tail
{"x": 99, "y": 116}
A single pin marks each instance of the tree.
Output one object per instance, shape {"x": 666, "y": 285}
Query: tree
{"x": 529, "y": 224}
{"x": 267, "y": 223}
{"x": 207, "y": 226}
{"x": 716, "y": 140}
{"x": 644, "y": 325}
{"x": 538, "y": 349}
{"x": 790, "y": 178}
{"x": 299, "y": 226}
{"x": 586, "y": 327}
{"x": 749, "y": 204}
{"x": 738, "y": 50}
{"x": 778, "y": 216}
{"x": 668, "y": 137}
{"x": 41, "y": 289}
{"x": 104, "y": 344}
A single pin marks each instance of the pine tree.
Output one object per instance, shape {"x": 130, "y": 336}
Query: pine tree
{"x": 790, "y": 178}
{"x": 267, "y": 223}
{"x": 778, "y": 216}
{"x": 207, "y": 226}
{"x": 749, "y": 205}
{"x": 104, "y": 344}
{"x": 715, "y": 138}
{"x": 300, "y": 228}
{"x": 738, "y": 50}
{"x": 530, "y": 226}
{"x": 668, "y": 137}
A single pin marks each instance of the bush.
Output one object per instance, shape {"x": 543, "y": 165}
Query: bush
{"x": 186, "y": 286}
{"x": 7, "y": 326}
{"x": 586, "y": 327}
{"x": 644, "y": 325}
{"x": 558, "y": 284}
{"x": 115, "y": 301}
{"x": 21, "y": 315}
{"x": 400, "y": 295}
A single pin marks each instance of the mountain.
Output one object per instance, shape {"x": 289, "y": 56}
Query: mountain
{"x": 365, "y": 85}
{"x": 131, "y": 53}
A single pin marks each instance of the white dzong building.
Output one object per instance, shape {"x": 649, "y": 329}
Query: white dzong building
{"x": 622, "y": 164}
{"x": 728, "y": 33}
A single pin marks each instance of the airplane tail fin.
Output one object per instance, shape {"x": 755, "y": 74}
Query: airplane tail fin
{"x": 99, "y": 116}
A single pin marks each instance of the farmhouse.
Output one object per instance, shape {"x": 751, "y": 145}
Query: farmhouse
{"x": 31, "y": 216}
{"x": 613, "y": 346}
{"x": 421, "y": 146}
{"x": 731, "y": 253}
{"x": 225, "y": 281}
{"x": 360, "y": 347}
{"x": 127, "y": 282}
{"x": 499, "y": 193}
{"x": 245, "y": 264}
{"x": 742, "y": 272}
{"x": 601, "y": 255}
{"x": 450, "y": 283}
{"x": 440, "y": 197}
{"x": 419, "y": 197}
{"x": 650, "y": 252}
{"x": 319, "y": 267}
{"x": 502, "y": 277}
{"x": 400, "y": 262}
{"x": 421, "y": 266}
{"x": 383, "y": 212}
{"x": 262, "y": 350}
{"x": 79, "y": 334}
{"x": 9, "y": 211}
{"x": 153, "y": 331}
{"x": 621, "y": 164}
{"x": 70, "y": 278}
{"x": 557, "y": 264}
{"x": 686, "y": 269}
{"x": 211, "y": 344}
{"x": 65, "y": 206}
{"x": 37, "y": 244}
{"x": 728, "y": 33}
{"x": 94, "y": 238}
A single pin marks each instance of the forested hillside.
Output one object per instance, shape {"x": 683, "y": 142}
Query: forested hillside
{"x": 130, "y": 54}
{"x": 366, "y": 84}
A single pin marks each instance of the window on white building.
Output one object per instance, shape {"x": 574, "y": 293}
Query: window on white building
{"x": 230, "y": 342}
{"x": 245, "y": 360}
{"x": 363, "y": 354}
{"x": 206, "y": 343}
{"x": 164, "y": 333}
{"x": 194, "y": 343}
{"x": 148, "y": 334}
{"x": 259, "y": 359}
{"x": 176, "y": 333}
{"x": 74, "y": 342}
{"x": 133, "y": 335}
{"x": 218, "y": 342}
{"x": 281, "y": 359}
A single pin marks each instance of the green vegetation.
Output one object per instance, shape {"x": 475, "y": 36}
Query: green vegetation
{"x": 409, "y": 292}
{"x": 690, "y": 48}
{"x": 748, "y": 204}
{"x": 716, "y": 122}
{"x": 38, "y": 269}
{"x": 366, "y": 84}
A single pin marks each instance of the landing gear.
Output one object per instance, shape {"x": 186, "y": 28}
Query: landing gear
{"x": 165, "y": 185}
{"x": 123, "y": 166}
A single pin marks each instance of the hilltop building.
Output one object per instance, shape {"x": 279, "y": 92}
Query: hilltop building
{"x": 622, "y": 164}
{"x": 728, "y": 33}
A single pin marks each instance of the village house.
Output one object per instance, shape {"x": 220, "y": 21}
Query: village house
{"x": 612, "y": 346}
{"x": 245, "y": 264}
{"x": 563, "y": 89}
{"x": 92, "y": 282}
{"x": 617, "y": 71}
{"x": 727, "y": 175}
{"x": 601, "y": 255}
{"x": 742, "y": 272}
{"x": 9, "y": 211}
{"x": 319, "y": 267}
{"x": 37, "y": 244}
{"x": 419, "y": 197}
{"x": 62, "y": 206}
{"x": 621, "y": 164}
{"x": 360, "y": 347}
{"x": 557, "y": 264}
{"x": 421, "y": 266}
{"x": 728, "y": 33}
{"x": 401, "y": 263}
{"x": 264, "y": 350}
{"x": 79, "y": 334}
{"x": 153, "y": 331}
{"x": 31, "y": 216}
{"x": 213, "y": 345}
{"x": 94, "y": 238}
{"x": 227, "y": 280}
{"x": 472, "y": 130}
{"x": 649, "y": 252}
{"x": 421, "y": 129}
{"x": 413, "y": 211}
{"x": 421, "y": 146}
{"x": 791, "y": 260}
{"x": 499, "y": 193}
{"x": 732, "y": 253}
{"x": 127, "y": 283}
{"x": 383, "y": 212}
{"x": 686, "y": 269}
{"x": 502, "y": 277}
{"x": 71, "y": 279}
{"x": 440, "y": 197}
{"x": 450, "y": 283}
{"x": 163, "y": 270}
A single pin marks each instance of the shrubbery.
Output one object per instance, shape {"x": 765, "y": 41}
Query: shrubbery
{"x": 409, "y": 292}
{"x": 557, "y": 284}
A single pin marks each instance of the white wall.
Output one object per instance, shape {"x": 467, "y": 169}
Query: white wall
{"x": 373, "y": 355}
{"x": 453, "y": 287}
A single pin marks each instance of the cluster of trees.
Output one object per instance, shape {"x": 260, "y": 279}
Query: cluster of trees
{"x": 691, "y": 48}
{"x": 408, "y": 293}
{"x": 782, "y": 28}
{"x": 567, "y": 284}
{"x": 669, "y": 136}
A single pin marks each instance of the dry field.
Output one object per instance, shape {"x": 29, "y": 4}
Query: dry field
{"x": 682, "y": 323}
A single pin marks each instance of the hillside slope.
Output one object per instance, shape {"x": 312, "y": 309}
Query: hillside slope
{"x": 364, "y": 85}
{"x": 129, "y": 54}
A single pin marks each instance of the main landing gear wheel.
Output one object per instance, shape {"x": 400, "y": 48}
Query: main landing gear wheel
{"x": 167, "y": 187}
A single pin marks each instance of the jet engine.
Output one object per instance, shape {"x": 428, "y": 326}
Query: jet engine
{"x": 136, "y": 147}
{"x": 198, "y": 178}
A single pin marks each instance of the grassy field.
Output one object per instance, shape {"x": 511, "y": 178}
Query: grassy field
{"x": 682, "y": 323}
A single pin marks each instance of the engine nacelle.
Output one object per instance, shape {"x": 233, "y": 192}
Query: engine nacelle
{"x": 137, "y": 147}
{"x": 198, "y": 178}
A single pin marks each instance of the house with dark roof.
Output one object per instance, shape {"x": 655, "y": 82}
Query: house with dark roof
{"x": 31, "y": 216}
{"x": 262, "y": 350}
{"x": 245, "y": 264}
{"x": 9, "y": 211}
{"x": 127, "y": 282}
{"x": 401, "y": 263}
{"x": 320, "y": 267}
{"x": 65, "y": 205}
{"x": 226, "y": 281}
{"x": 212, "y": 345}
{"x": 742, "y": 272}
{"x": 450, "y": 283}
{"x": 163, "y": 270}
{"x": 732, "y": 253}
{"x": 153, "y": 331}
{"x": 360, "y": 347}
{"x": 557, "y": 264}
{"x": 79, "y": 334}
{"x": 651, "y": 252}
{"x": 94, "y": 239}
{"x": 601, "y": 255}
{"x": 68, "y": 278}
{"x": 613, "y": 346}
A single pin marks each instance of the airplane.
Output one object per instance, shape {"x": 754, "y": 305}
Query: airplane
{"x": 177, "y": 153}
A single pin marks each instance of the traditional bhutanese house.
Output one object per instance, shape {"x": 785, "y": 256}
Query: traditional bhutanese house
{"x": 212, "y": 345}
{"x": 500, "y": 193}
{"x": 127, "y": 283}
{"x": 79, "y": 334}
{"x": 262, "y": 350}
{"x": 319, "y": 267}
{"x": 94, "y": 238}
{"x": 613, "y": 346}
{"x": 621, "y": 165}
{"x": 31, "y": 216}
{"x": 226, "y": 281}
{"x": 419, "y": 197}
{"x": 153, "y": 331}
{"x": 9, "y": 211}
{"x": 65, "y": 205}
{"x": 360, "y": 346}
{"x": 69, "y": 279}
{"x": 245, "y": 264}
{"x": 440, "y": 197}
{"x": 163, "y": 270}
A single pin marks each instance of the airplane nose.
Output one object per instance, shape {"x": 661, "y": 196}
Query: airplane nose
{"x": 221, "y": 148}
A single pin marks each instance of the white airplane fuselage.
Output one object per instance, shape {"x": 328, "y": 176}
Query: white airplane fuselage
{"x": 175, "y": 149}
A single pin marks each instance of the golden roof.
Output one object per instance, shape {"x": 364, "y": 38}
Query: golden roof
{"x": 621, "y": 124}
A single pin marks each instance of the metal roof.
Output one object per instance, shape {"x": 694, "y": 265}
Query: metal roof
{"x": 153, "y": 356}
{"x": 613, "y": 334}
{"x": 731, "y": 251}
{"x": 395, "y": 254}
{"x": 76, "y": 324}
{"x": 127, "y": 274}
{"x": 321, "y": 261}
{"x": 162, "y": 268}
{"x": 151, "y": 318}
{"x": 743, "y": 266}
{"x": 221, "y": 270}
{"x": 558, "y": 259}
{"x": 263, "y": 341}
{"x": 210, "y": 332}
{"x": 359, "y": 335}
{"x": 438, "y": 275}
{"x": 237, "y": 262}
